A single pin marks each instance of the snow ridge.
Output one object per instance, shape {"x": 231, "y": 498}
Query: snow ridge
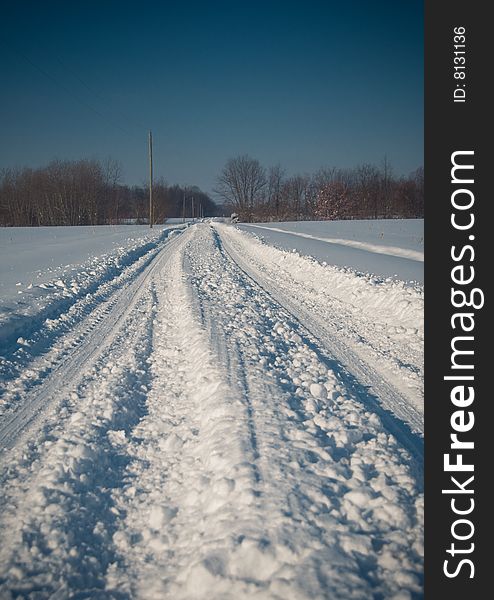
{"x": 369, "y": 247}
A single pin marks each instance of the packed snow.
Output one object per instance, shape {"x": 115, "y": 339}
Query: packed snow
{"x": 215, "y": 417}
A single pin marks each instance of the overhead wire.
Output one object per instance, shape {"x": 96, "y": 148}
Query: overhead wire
{"x": 70, "y": 93}
{"x": 97, "y": 94}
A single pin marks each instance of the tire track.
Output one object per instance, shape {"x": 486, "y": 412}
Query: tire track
{"x": 370, "y": 387}
{"x": 90, "y": 339}
{"x": 328, "y": 468}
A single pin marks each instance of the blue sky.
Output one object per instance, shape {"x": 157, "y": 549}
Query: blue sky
{"x": 301, "y": 83}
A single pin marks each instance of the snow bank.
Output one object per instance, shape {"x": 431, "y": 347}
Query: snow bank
{"x": 380, "y": 319}
{"x": 388, "y": 248}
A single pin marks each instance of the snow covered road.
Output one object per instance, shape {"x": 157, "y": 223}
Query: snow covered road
{"x": 218, "y": 422}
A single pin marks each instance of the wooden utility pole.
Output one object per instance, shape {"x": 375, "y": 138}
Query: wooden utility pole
{"x": 151, "y": 208}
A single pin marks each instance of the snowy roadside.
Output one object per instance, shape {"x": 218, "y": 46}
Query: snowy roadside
{"x": 36, "y": 255}
{"x": 379, "y": 320}
{"x": 368, "y": 246}
{"x": 51, "y": 267}
{"x": 29, "y": 336}
{"x": 392, "y": 248}
{"x": 56, "y": 514}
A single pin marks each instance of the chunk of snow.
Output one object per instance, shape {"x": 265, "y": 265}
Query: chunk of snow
{"x": 318, "y": 391}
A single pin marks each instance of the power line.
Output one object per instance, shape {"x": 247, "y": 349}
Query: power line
{"x": 70, "y": 93}
{"x": 95, "y": 93}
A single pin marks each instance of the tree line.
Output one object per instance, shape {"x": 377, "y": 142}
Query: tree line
{"x": 367, "y": 191}
{"x": 90, "y": 192}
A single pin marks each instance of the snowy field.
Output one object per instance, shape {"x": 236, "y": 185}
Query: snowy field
{"x": 387, "y": 248}
{"x": 194, "y": 412}
{"x": 44, "y": 270}
{"x": 33, "y": 258}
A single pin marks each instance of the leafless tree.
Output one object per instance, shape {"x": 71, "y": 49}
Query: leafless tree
{"x": 89, "y": 192}
{"x": 368, "y": 190}
{"x": 386, "y": 185}
{"x": 293, "y": 196}
{"x": 112, "y": 175}
{"x": 276, "y": 176}
{"x": 242, "y": 183}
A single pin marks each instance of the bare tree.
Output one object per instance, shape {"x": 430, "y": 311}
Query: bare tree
{"x": 386, "y": 186}
{"x": 88, "y": 192}
{"x": 112, "y": 175}
{"x": 275, "y": 182}
{"x": 241, "y": 183}
{"x": 368, "y": 190}
{"x": 294, "y": 190}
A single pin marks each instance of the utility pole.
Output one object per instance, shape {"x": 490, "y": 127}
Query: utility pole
{"x": 151, "y": 210}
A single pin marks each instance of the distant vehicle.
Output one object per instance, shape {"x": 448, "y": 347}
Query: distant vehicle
{"x": 234, "y": 218}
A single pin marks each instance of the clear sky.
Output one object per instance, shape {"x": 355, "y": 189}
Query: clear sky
{"x": 302, "y": 83}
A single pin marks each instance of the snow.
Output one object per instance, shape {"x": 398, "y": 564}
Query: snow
{"x": 34, "y": 255}
{"x": 54, "y": 267}
{"x": 360, "y": 317}
{"x": 215, "y": 418}
{"x": 387, "y": 248}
